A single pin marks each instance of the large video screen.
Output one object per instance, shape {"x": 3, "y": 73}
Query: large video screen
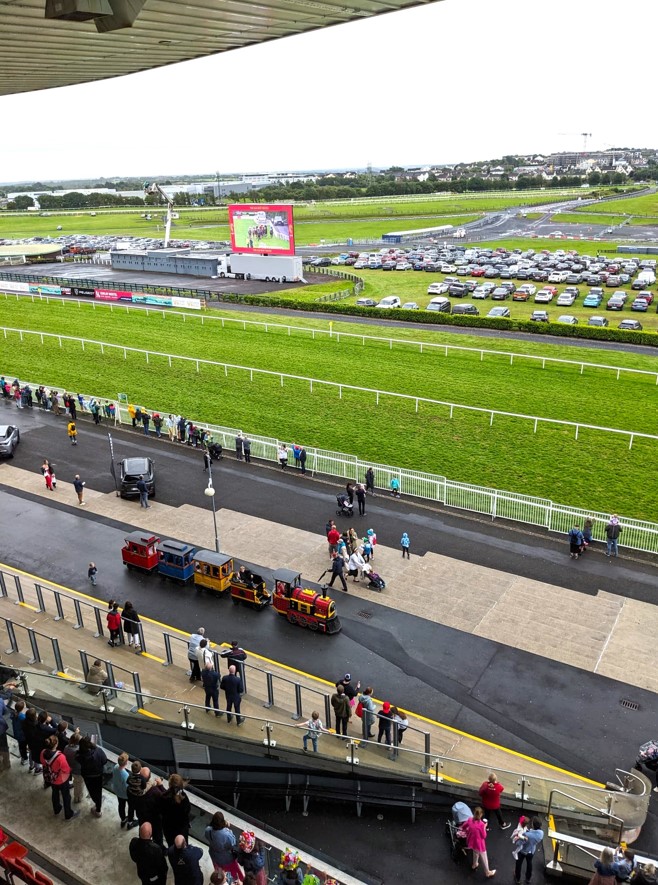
{"x": 262, "y": 229}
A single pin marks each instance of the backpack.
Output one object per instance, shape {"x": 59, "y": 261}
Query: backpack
{"x": 359, "y": 710}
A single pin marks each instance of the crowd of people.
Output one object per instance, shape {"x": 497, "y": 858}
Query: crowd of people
{"x": 58, "y": 403}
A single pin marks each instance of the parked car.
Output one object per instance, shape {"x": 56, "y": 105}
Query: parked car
{"x": 592, "y": 300}
{"x": 568, "y": 319}
{"x": 640, "y": 305}
{"x": 499, "y": 312}
{"x": 10, "y": 436}
{"x": 646, "y": 296}
{"x": 440, "y": 304}
{"x": 598, "y": 321}
{"x": 438, "y": 288}
{"x": 539, "y": 316}
{"x": 566, "y": 299}
{"x": 615, "y": 304}
{"x": 366, "y": 302}
{"x": 410, "y": 305}
{"x": 469, "y": 309}
{"x": 544, "y": 296}
{"x": 630, "y": 325}
{"x": 500, "y": 293}
{"x": 389, "y": 302}
{"x": 130, "y": 470}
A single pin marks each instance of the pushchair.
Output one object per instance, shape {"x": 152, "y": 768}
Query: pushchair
{"x": 375, "y": 581}
{"x": 346, "y": 508}
{"x": 460, "y": 813}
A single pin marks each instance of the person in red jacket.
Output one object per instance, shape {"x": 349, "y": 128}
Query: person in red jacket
{"x": 59, "y": 773}
{"x": 333, "y": 537}
{"x": 490, "y": 794}
{"x": 114, "y": 624}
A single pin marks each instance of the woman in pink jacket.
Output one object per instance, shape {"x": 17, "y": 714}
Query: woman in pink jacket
{"x": 476, "y": 839}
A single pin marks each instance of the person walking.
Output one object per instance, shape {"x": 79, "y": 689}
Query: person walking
{"x": 282, "y": 455}
{"x": 370, "y": 481}
{"x": 367, "y": 712}
{"x": 113, "y": 619}
{"x": 342, "y": 710}
{"x": 174, "y": 807}
{"x": 142, "y": 488}
{"x": 314, "y": 728}
{"x": 92, "y": 764}
{"x": 192, "y": 647}
{"x": 92, "y": 571}
{"x": 119, "y": 786}
{"x": 302, "y": 460}
{"x": 476, "y": 840}
{"x": 210, "y": 680}
{"x": 231, "y": 685}
{"x": 148, "y": 857}
{"x": 79, "y": 487}
{"x": 337, "y": 567}
{"x": 490, "y": 794}
{"x": 130, "y": 620}
{"x": 612, "y": 532}
{"x": 246, "y": 448}
{"x": 405, "y": 544}
{"x": 533, "y": 836}
{"x": 360, "y": 492}
{"x": 58, "y": 776}
{"x": 222, "y": 842}
{"x": 72, "y": 432}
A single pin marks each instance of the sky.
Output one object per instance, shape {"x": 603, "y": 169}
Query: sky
{"x": 451, "y": 81}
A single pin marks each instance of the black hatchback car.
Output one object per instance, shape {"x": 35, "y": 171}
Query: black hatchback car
{"x": 130, "y": 470}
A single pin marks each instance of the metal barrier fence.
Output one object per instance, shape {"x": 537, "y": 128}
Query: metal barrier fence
{"x": 640, "y": 535}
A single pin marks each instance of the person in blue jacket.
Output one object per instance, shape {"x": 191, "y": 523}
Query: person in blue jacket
{"x": 405, "y": 543}
{"x": 529, "y": 842}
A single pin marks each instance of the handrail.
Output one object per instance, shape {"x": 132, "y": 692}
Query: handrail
{"x": 340, "y": 386}
{"x": 603, "y": 812}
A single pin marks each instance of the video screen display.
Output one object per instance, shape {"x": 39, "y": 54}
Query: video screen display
{"x": 262, "y": 229}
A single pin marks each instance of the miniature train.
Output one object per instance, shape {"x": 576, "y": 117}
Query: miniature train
{"x": 215, "y": 572}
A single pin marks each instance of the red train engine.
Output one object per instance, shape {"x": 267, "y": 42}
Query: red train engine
{"x": 301, "y": 605}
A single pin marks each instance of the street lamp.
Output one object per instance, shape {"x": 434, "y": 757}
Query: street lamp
{"x": 209, "y": 492}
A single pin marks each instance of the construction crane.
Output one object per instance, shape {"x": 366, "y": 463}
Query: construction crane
{"x": 585, "y": 136}
{"x": 156, "y": 189}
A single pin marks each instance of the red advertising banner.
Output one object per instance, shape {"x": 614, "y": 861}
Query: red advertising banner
{"x": 262, "y": 229}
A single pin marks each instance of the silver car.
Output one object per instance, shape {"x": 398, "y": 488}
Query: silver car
{"x": 10, "y": 437}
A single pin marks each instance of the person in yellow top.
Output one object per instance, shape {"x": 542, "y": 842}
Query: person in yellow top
{"x": 72, "y": 432}
{"x": 132, "y": 413}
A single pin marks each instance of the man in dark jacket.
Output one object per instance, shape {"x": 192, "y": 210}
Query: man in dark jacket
{"x": 149, "y": 858}
{"x": 231, "y": 685}
{"x": 337, "y": 566}
{"x": 342, "y": 710}
{"x": 210, "y": 679}
{"x": 234, "y": 655}
{"x": 184, "y": 860}
{"x": 612, "y": 532}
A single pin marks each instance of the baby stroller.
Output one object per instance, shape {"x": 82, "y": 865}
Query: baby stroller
{"x": 346, "y": 509}
{"x": 460, "y": 813}
{"x": 375, "y": 581}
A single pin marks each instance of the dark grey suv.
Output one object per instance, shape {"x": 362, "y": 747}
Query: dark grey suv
{"x": 130, "y": 470}
{"x": 10, "y": 437}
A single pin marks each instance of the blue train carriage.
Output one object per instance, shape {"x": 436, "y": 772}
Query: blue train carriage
{"x": 176, "y": 561}
{"x": 212, "y": 571}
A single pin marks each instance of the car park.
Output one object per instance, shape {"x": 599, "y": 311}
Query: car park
{"x": 598, "y": 321}
{"x": 568, "y": 319}
{"x": 630, "y": 325}
{"x": 389, "y": 302}
{"x": 130, "y": 471}
{"x": 10, "y": 436}
{"x": 499, "y": 313}
{"x": 410, "y": 305}
{"x": 539, "y": 316}
{"x": 468, "y": 309}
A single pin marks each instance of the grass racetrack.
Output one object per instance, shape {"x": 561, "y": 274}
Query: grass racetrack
{"x": 597, "y": 471}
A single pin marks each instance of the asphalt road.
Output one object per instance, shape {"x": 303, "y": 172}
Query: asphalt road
{"x": 548, "y": 710}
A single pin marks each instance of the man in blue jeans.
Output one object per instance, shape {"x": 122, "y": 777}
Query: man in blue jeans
{"x": 612, "y": 532}
{"x": 143, "y": 492}
{"x": 533, "y": 836}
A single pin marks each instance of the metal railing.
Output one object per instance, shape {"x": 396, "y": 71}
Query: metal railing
{"x": 639, "y": 535}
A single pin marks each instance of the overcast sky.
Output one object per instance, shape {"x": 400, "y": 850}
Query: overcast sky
{"x": 455, "y": 80}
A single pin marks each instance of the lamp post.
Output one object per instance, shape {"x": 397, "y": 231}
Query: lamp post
{"x": 209, "y": 492}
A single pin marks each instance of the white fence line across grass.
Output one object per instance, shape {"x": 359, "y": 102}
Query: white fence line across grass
{"x": 336, "y": 334}
{"x": 417, "y": 400}
{"x": 636, "y": 535}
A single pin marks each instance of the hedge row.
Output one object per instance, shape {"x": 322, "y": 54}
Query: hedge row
{"x": 430, "y": 318}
